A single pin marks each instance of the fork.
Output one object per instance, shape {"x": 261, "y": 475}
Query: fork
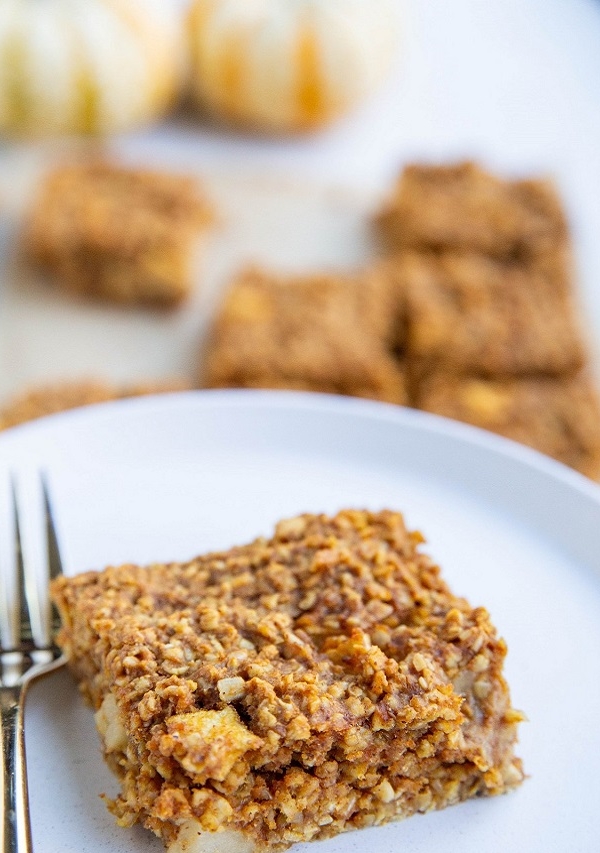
{"x": 29, "y": 557}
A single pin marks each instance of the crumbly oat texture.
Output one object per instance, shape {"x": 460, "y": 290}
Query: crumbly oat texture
{"x": 559, "y": 416}
{"x": 127, "y": 235}
{"x": 463, "y": 207}
{"x": 467, "y": 312}
{"x": 328, "y": 333}
{"x": 323, "y": 680}
{"x": 60, "y": 396}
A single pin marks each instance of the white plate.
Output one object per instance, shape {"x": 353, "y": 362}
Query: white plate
{"x": 166, "y": 478}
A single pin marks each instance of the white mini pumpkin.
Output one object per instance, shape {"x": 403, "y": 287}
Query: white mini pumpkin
{"x": 289, "y": 64}
{"x": 87, "y": 66}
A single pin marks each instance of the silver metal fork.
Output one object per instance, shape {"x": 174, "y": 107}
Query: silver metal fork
{"x": 29, "y": 558}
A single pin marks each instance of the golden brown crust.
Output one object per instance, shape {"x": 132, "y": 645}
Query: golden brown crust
{"x": 71, "y": 394}
{"x": 327, "y": 333}
{"x": 323, "y": 680}
{"x": 559, "y": 416}
{"x": 121, "y": 234}
{"x": 463, "y": 207}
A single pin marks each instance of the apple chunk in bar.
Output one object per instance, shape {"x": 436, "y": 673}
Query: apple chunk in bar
{"x": 320, "y": 681}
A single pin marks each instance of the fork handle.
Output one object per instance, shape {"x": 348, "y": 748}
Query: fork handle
{"x": 16, "y": 828}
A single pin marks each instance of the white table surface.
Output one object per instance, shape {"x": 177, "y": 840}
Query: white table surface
{"x": 512, "y": 83}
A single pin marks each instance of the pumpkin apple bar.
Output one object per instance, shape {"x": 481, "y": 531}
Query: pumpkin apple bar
{"x": 122, "y": 234}
{"x": 323, "y": 680}
{"x": 316, "y": 332}
{"x": 463, "y": 207}
{"x": 470, "y": 313}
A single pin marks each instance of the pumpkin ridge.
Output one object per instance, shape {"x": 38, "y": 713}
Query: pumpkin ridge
{"x": 86, "y": 93}
{"x": 231, "y": 69}
{"x": 311, "y": 86}
{"x": 198, "y": 15}
{"x": 137, "y": 24}
{"x": 13, "y": 60}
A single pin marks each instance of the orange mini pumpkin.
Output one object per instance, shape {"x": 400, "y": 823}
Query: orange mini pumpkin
{"x": 289, "y": 64}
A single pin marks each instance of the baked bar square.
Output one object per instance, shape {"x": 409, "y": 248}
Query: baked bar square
{"x": 328, "y": 333}
{"x": 323, "y": 680}
{"x": 469, "y": 313}
{"x": 464, "y": 207}
{"x": 42, "y": 400}
{"x": 559, "y": 416}
{"x": 127, "y": 235}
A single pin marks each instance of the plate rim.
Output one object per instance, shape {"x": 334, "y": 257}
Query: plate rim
{"x": 374, "y": 410}
{"x": 314, "y": 402}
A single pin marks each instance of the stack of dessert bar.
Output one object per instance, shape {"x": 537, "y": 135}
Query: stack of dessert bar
{"x": 491, "y": 331}
{"x": 471, "y": 315}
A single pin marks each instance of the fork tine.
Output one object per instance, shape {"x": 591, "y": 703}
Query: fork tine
{"x": 9, "y": 621}
{"x": 55, "y": 565}
{"x": 32, "y": 562}
{"x": 21, "y": 605}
